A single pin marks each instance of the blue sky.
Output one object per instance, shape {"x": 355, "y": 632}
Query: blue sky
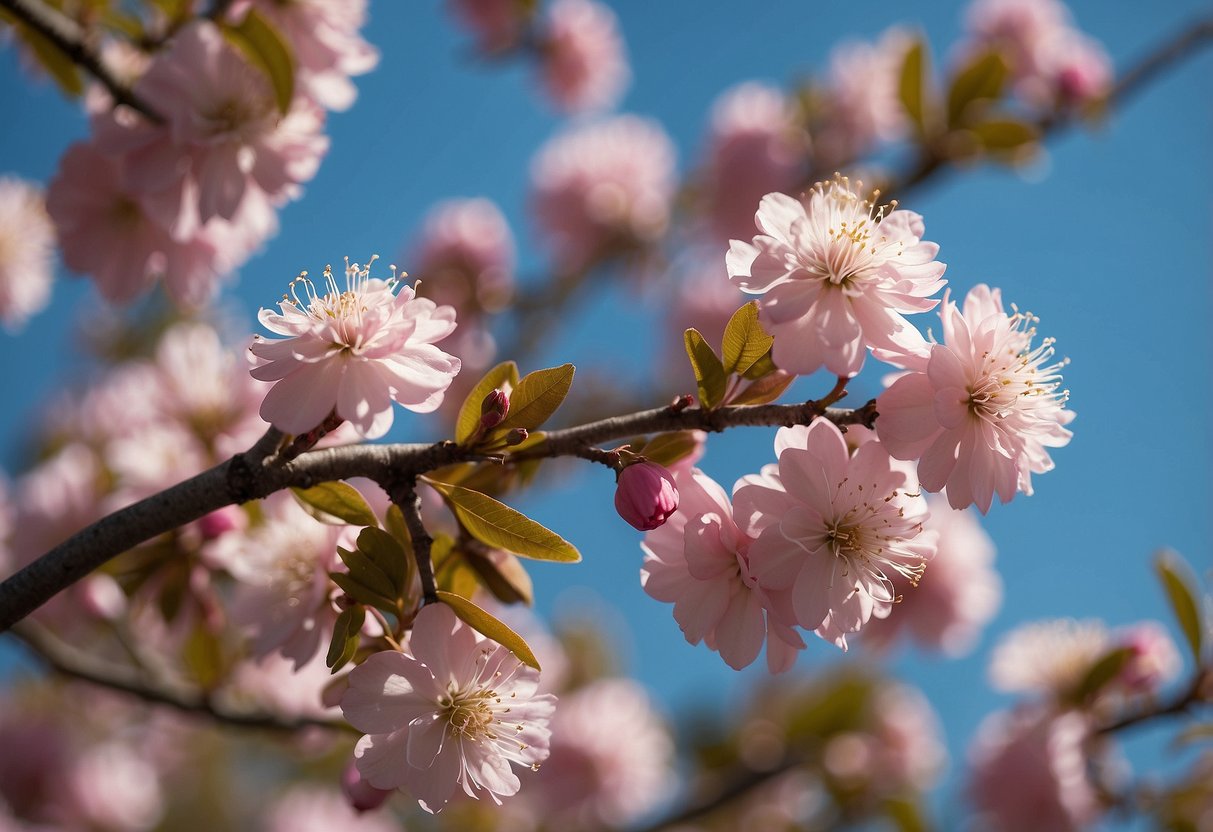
{"x": 1107, "y": 243}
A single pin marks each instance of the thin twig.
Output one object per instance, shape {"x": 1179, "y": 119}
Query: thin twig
{"x": 1180, "y": 704}
{"x": 735, "y": 789}
{"x": 404, "y": 494}
{"x": 69, "y": 38}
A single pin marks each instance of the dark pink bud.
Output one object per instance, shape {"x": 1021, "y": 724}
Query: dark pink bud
{"x": 494, "y": 409}
{"x": 361, "y": 795}
{"x": 517, "y": 436}
{"x": 646, "y": 495}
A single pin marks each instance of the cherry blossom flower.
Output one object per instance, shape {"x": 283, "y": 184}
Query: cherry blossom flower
{"x": 836, "y": 275}
{"x": 465, "y": 256}
{"x": 312, "y": 809}
{"x": 275, "y": 683}
{"x": 958, "y": 595}
{"x": 113, "y": 787}
{"x": 1028, "y": 770}
{"x": 1155, "y": 659}
{"x": 603, "y": 186}
{"x": 27, "y": 247}
{"x": 645, "y": 495}
{"x": 592, "y": 780}
{"x": 582, "y": 58}
{"x": 455, "y": 710}
{"x": 1048, "y": 657}
{"x": 980, "y": 410}
{"x": 862, "y": 104}
{"x": 353, "y": 352}
{"x": 700, "y": 561}
{"x": 832, "y": 527}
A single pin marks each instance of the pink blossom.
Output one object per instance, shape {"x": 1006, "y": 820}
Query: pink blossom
{"x": 55, "y": 500}
{"x": 582, "y": 58}
{"x": 832, "y": 528}
{"x": 113, "y": 787}
{"x": 862, "y": 103}
{"x": 836, "y": 275}
{"x": 455, "y": 710}
{"x": 312, "y": 809}
{"x": 353, "y": 353}
{"x": 279, "y": 685}
{"x": 958, "y": 594}
{"x": 602, "y": 187}
{"x": 701, "y": 562}
{"x": 645, "y": 495}
{"x": 497, "y": 24}
{"x": 980, "y": 410}
{"x": 1028, "y": 770}
{"x": 328, "y": 50}
{"x": 27, "y": 247}
{"x": 611, "y": 758}
{"x": 1155, "y": 660}
{"x": 1048, "y": 657}
{"x": 1078, "y": 67}
{"x": 361, "y": 795}
{"x": 465, "y": 256}
{"x": 754, "y": 147}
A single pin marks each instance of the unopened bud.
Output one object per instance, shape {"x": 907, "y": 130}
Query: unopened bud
{"x": 646, "y": 495}
{"x": 681, "y": 403}
{"x": 493, "y": 409}
{"x": 360, "y": 794}
{"x": 516, "y": 437}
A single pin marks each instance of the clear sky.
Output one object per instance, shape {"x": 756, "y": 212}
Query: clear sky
{"x": 1107, "y": 243}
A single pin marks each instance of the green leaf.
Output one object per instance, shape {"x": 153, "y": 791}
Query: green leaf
{"x": 503, "y": 576}
{"x": 766, "y": 389}
{"x": 536, "y": 398}
{"x": 263, "y": 45}
{"x": 1102, "y": 672}
{"x": 1177, "y": 580}
{"x": 1005, "y": 136}
{"x": 336, "y": 499}
{"x": 467, "y": 424}
{"x": 346, "y": 636}
{"x": 912, "y": 89}
{"x": 386, "y": 552}
{"x": 393, "y": 521}
{"x": 745, "y": 341}
{"x": 982, "y": 78}
{"x": 203, "y": 658}
{"x": 457, "y": 577}
{"x": 498, "y": 525}
{"x": 362, "y": 593}
{"x": 57, "y": 65}
{"x": 709, "y": 372}
{"x": 667, "y": 448}
{"x": 490, "y": 627}
{"x": 906, "y": 815}
{"x": 761, "y": 368}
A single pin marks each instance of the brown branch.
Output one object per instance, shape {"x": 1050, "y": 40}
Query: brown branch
{"x": 1180, "y": 704}
{"x": 255, "y": 474}
{"x": 71, "y": 663}
{"x": 737, "y": 788}
{"x": 405, "y": 495}
{"x": 69, "y": 38}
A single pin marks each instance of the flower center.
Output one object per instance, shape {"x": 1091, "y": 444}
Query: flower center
{"x": 469, "y": 714}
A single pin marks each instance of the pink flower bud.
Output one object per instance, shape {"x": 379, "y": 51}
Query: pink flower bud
{"x": 493, "y": 409}
{"x": 360, "y": 794}
{"x": 646, "y": 495}
{"x": 517, "y": 436}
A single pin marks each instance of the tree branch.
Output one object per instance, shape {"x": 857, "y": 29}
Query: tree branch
{"x": 405, "y": 495}
{"x": 69, "y": 38}
{"x": 255, "y": 475}
{"x": 735, "y": 789}
{"x": 1183, "y": 702}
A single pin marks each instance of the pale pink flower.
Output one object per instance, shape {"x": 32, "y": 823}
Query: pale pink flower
{"x": 353, "y": 352}
{"x": 151, "y": 461}
{"x": 465, "y": 256}
{"x": 328, "y": 50}
{"x": 315, "y": 809}
{"x": 603, "y": 187}
{"x": 701, "y": 562}
{"x": 27, "y": 248}
{"x": 645, "y": 495}
{"x": 836, "y": 276}
{"x": 582, "y": 57}
{"x": 611, "y": 759}
{"x": 981, "y": 409}
{"x": 1028, "y": 770}
{"x": 1078, "y": 68}
{"x": 1155, "y": 660}
{"x": 1048, "y": 657}
{"x": 862, "y": 103}
{"x": 958, "y": 595}
{"x": 113, "y": 787}
{"x": 55, "y": 500}
{"x": 754, "y": 147}
{"x": 455, "y": 710}
{"x": 276, "y": 684}
{"x": 497, "y": 24}
{"x": 832, "y": 528}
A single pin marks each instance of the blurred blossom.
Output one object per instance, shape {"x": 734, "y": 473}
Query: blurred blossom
{"x": 959, "y": 593}
{"x": 151, "y": 462}
{"x": 582, "y": 58}
{"x": 316, "y": 809}
{"x": 611, "y": 759}
{"x": 54, "y": 500}
{"x": 1028, "y": 770}
{"x": 754, "y": 147}
{"x": 1048, "y": 657}
{"x": 464, "y": 256}
{"x": 497, "y": 24}
{"x": 276, "y": 685}
{"x": 27, "y": 248}
{"x": 603, "y": 187}
{"x": 861, "y": 103}
{"x": 1155, "y": 660}
{"x": 908, "y": 753}
{"x": 114, "y": 788}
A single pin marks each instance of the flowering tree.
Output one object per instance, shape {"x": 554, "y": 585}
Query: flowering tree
{"x": 204, "y": 538}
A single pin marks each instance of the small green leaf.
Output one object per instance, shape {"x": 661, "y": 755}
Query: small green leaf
{"x": 57, "y": 65}
{"x": 536, "y": 398}
{"x": 1102, "y": 672}
{"x": 337, "y": 499}
{"x": 203, "y": 658}
{"x": 263, "y": 45}
{"x": 667, "y": 448}
{"x": 362, "y": 593}
{"x": 503, "y": 575}
{"x": 766, "y": 389}
{"x": 761, "y": 368}
{"x": 457, "y": 577}
{"x": 1177, "y": 580}
{"x": 490, "y": 627}
{"x": 467, "y": 424}
{"x": 367, "y": 573}
{"x": 496, "y": 524}
{"x": 1000, "y": 136}
{"x": 745, "y": 341}
{"x": 347, "y": 632}
{"x": 709, "y": 372}
{"x": 982, "y": 78}
{"x": 396, "y": 527}
{"x": 912, "y": 88}
{"x": 906, "y": 815}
